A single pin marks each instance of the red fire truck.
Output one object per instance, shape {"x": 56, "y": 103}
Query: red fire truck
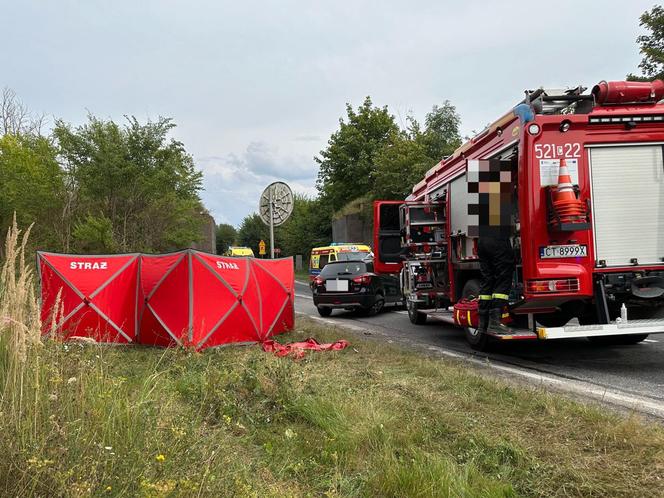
{"x": 597, "y": 273}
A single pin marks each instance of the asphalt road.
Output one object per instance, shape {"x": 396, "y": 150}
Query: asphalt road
{"x": 634, "y": 370}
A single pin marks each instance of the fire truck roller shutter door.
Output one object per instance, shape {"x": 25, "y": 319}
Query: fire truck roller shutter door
{"x": 459, "y": 217}
{"x": 628, "y": 204}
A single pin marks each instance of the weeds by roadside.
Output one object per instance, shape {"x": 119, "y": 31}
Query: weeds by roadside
{"x": 89, "y": 420}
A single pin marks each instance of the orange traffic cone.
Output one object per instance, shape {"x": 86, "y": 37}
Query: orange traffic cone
{"x": 567, "y": 207}
{"x": 565, "y": 190}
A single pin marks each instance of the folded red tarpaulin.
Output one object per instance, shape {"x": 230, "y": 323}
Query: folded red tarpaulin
{"x": 297, "y": 349}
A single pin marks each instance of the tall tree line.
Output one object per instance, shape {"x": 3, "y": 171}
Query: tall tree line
{"x": 371, "y": 156}
{"x": 98, "y": 187}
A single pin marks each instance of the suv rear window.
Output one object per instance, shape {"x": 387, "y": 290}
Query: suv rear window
{"x": 345, "y": 268}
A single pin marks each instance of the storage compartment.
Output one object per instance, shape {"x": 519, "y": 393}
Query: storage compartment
{"x": 628, "y": 204}
{"x": 424, "y": 226}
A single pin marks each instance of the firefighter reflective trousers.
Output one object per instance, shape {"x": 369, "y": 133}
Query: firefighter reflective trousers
{"x": 497, "y": 267}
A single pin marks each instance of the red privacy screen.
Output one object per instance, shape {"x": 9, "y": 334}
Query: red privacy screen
{"x": 187, "y": 298}
{"x": 90, "y": 296}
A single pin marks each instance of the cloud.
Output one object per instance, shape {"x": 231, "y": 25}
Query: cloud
{"x": 233, "y": 182}
{"x": 264, "y": 160}
{"x": 308, "y": 138}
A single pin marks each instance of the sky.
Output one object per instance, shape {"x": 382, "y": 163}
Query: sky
{"x": 257, "y": 88}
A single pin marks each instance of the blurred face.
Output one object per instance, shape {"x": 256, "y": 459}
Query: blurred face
{"x": 490, "y": 197}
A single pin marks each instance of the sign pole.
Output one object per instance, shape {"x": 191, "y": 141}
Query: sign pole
{"x": 271, "y": 227}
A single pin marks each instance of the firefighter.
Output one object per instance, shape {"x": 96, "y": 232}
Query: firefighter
{"x": 496, "y": 211}
{"x": 497, "y": 266}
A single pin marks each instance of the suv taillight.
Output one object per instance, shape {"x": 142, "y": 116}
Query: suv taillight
{"x": 362, "y": 279}
{"x": 318, "y": 281}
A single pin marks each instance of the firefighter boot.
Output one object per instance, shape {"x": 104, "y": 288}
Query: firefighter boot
{"x": 483, "y": 310}
{"x": 495, "y": 325}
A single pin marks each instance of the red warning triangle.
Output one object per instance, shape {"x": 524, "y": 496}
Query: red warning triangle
{"x": 154, "y": 267}
{"x": 272, "y": 295}
{"x": 233, "y": 271}
{"x": 51, "y": 284}
{"x": 152, "y": 332}
{"x": 281, "y": 269}
{"x": 212, "y": 300}
{"x": 88, "y": 323}
{"x": 170, "y": 300}
{"x": 237, "y": 327}
{"x": 117, "y": 300}
{"x": 251, "y": 300}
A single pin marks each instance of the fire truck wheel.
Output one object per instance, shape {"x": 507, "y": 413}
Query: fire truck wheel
{"x": 477, "y": 340}
{"x": 324, "y": 311}
{"x": 415, "y": 317}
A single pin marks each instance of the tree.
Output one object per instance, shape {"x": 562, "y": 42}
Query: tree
{"x": 651, "y": 45}
{"x": 441, "y": 134}
{"x": 134, "y": 178}
{"x": 95, "y": 235}
{"x": 347, "y": 165}
{"x": 306, "y": 228}
{"x": 252, "y": 231}
{"x": 225, "y": 236}
{"x": 409, "y": 153}
{"x": 401, "y": 164}
{"x": 32, "y": 186}
{"x": 15, "y": 118}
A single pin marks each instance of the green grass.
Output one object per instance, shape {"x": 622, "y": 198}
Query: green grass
{"x": 372, "y": 420}
{"x": 367, "y": 421}
{"x": 302, "y": 275}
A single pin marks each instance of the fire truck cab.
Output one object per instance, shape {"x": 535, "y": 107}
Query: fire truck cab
{"x": 592, "y": 266}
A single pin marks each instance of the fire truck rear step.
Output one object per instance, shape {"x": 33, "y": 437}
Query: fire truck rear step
{"x": 448, "y": 317}
{"x": 649, "y": 326}
{"x": 632, "y": 327}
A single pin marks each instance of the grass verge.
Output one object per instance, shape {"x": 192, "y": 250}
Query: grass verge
{"x": 302, "y": 276}
{"x": 367, "y": 421}
{"x": 372, "y": 420}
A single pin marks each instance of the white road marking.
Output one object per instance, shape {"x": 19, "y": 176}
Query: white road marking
{"x": 401, "y": 312}
{"x": 578, "y": 387}
{"x": 303, "y": 295}
{"x": 650, "y": 340}
{"x": 333, "y": 322}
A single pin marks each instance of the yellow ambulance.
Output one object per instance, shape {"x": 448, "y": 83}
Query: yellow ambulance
{"x": 338, "y": 251}
{"x": 235, "y": 251}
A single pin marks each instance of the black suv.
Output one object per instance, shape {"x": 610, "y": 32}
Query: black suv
{"x": 352, "y": 285}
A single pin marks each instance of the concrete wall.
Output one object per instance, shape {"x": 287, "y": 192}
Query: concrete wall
{"x": 352, "y": 228}
{"x": 208, "y": 242}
